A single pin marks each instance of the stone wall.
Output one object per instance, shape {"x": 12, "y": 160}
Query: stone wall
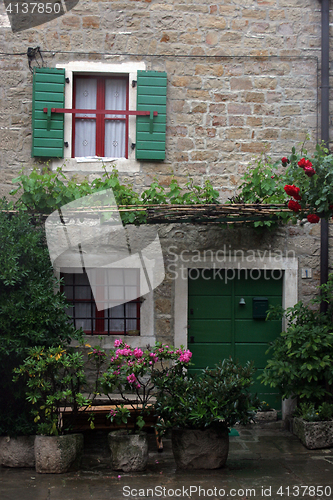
{"x": 242, "y": 79}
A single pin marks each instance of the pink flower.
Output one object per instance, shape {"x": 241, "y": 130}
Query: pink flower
{"x": 153, "y": 355}
{"x": 131, "y": 378}
{"x": 117, "y": 343}
{"x": 185, "y": 356}
{"x": 123, "y": 352}
{"x": 138, "y": 352}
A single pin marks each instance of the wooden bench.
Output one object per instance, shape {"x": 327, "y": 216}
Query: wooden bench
{"x": 98, "y": 415}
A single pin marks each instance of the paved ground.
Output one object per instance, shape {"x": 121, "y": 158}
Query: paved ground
{"x": 263, "y": 463}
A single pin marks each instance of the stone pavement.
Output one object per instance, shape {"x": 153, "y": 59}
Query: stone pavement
{"x": 264, "y": 463}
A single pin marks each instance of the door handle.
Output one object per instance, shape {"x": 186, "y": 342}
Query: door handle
{"x": 192, "y": 339}
{"x": 191, "y": 311}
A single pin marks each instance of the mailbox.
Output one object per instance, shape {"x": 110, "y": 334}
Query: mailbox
{"x": 259, "y": 307}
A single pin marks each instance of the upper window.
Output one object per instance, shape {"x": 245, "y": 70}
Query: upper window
{"x": 102, "y": 135}
{"x": 59, "y": 131}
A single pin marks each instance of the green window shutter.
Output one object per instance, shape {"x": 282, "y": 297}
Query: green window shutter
{"x": 151, "y": 96}
{"x": 48, "y": 92}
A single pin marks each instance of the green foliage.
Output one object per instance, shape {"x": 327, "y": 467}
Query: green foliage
{"x": 44, "y": 192}
{"x": 302, "y": 356}
{"x": 54, "y": 378}
{"x": 218, "y": 396}
{"x": 311, "y": 413}
{"x": 31, "y": 312}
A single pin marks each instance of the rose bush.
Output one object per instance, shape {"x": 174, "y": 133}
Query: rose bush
{"x": 306, "y": 179}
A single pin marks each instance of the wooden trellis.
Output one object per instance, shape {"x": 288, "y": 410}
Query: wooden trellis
{"x": 239, "y": 213}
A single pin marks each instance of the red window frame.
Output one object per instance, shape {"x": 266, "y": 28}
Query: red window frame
{"x": 100, "y": 118}
{"x": 95, "y": 314}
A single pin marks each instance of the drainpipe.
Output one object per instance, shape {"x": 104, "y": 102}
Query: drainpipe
{"x": 325, "y": 62}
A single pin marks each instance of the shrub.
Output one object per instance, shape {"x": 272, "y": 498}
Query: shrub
{"x": 302, "y": 356}
{"x": 31, "y": 311}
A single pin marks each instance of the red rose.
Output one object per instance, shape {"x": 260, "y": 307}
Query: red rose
{"x": 313, "y": 218}
{"x": 294, "y": 206}
{"x": 303, "y": 163}
{"x": 331, "y": 207}
{"x": 293, "y": 191}
{"x": 284, "y": 161}
{"x": 309, "y": 171}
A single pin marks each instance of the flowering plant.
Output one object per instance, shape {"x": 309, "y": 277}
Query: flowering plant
{"x": 55, "y": 378}
{"x": 134, "y": 372}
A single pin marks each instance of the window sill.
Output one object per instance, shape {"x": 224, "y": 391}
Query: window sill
{"x": 95, "y": 165}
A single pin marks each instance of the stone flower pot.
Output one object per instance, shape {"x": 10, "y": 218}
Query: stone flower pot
{"x": 314, "y": 435}
{"x": 266, "y": 416}
{"x": 200, "y": 449}
{"x": 58, "y": 454}
{"x": 17, "y": 452}
{"x": 129, "y": 452}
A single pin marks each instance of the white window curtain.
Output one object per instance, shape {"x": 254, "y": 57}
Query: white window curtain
{"x": 85, "y": 130}
{"x": 115, "y": 130}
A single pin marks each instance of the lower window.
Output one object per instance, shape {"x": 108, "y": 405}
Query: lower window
{"x": 120, "y": 319}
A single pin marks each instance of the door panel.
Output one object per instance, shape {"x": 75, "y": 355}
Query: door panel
{"x": 220, "y": 330}
{"x": 207, "y": 354}
{"x": 209, "y": 306}
{"x": 220, "y": 327}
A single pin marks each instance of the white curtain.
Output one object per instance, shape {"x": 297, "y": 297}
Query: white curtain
{"x": 115, "y": 130}
{"x": 85, "y": 130}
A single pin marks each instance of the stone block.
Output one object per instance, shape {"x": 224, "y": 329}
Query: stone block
{"x": 244, "y": 83}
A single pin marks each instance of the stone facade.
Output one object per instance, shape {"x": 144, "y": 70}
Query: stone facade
{"x": 243, "y": 79}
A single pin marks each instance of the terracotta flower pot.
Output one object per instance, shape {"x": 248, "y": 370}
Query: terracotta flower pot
{"x": 200, "y": 449}
{"x": 58, "y": 454}
{"x": 129, "y": 452}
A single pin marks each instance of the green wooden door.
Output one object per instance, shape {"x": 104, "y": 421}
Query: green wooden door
{"x": 219, "y": 326}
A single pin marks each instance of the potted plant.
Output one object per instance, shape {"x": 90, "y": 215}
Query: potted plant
{"x": 133, "y": 373}
{"x": 265, "y": 413}
{"x": 200, "y": 409}
{"x": 54, "y": 378}
{"x": 313, "y": 425}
